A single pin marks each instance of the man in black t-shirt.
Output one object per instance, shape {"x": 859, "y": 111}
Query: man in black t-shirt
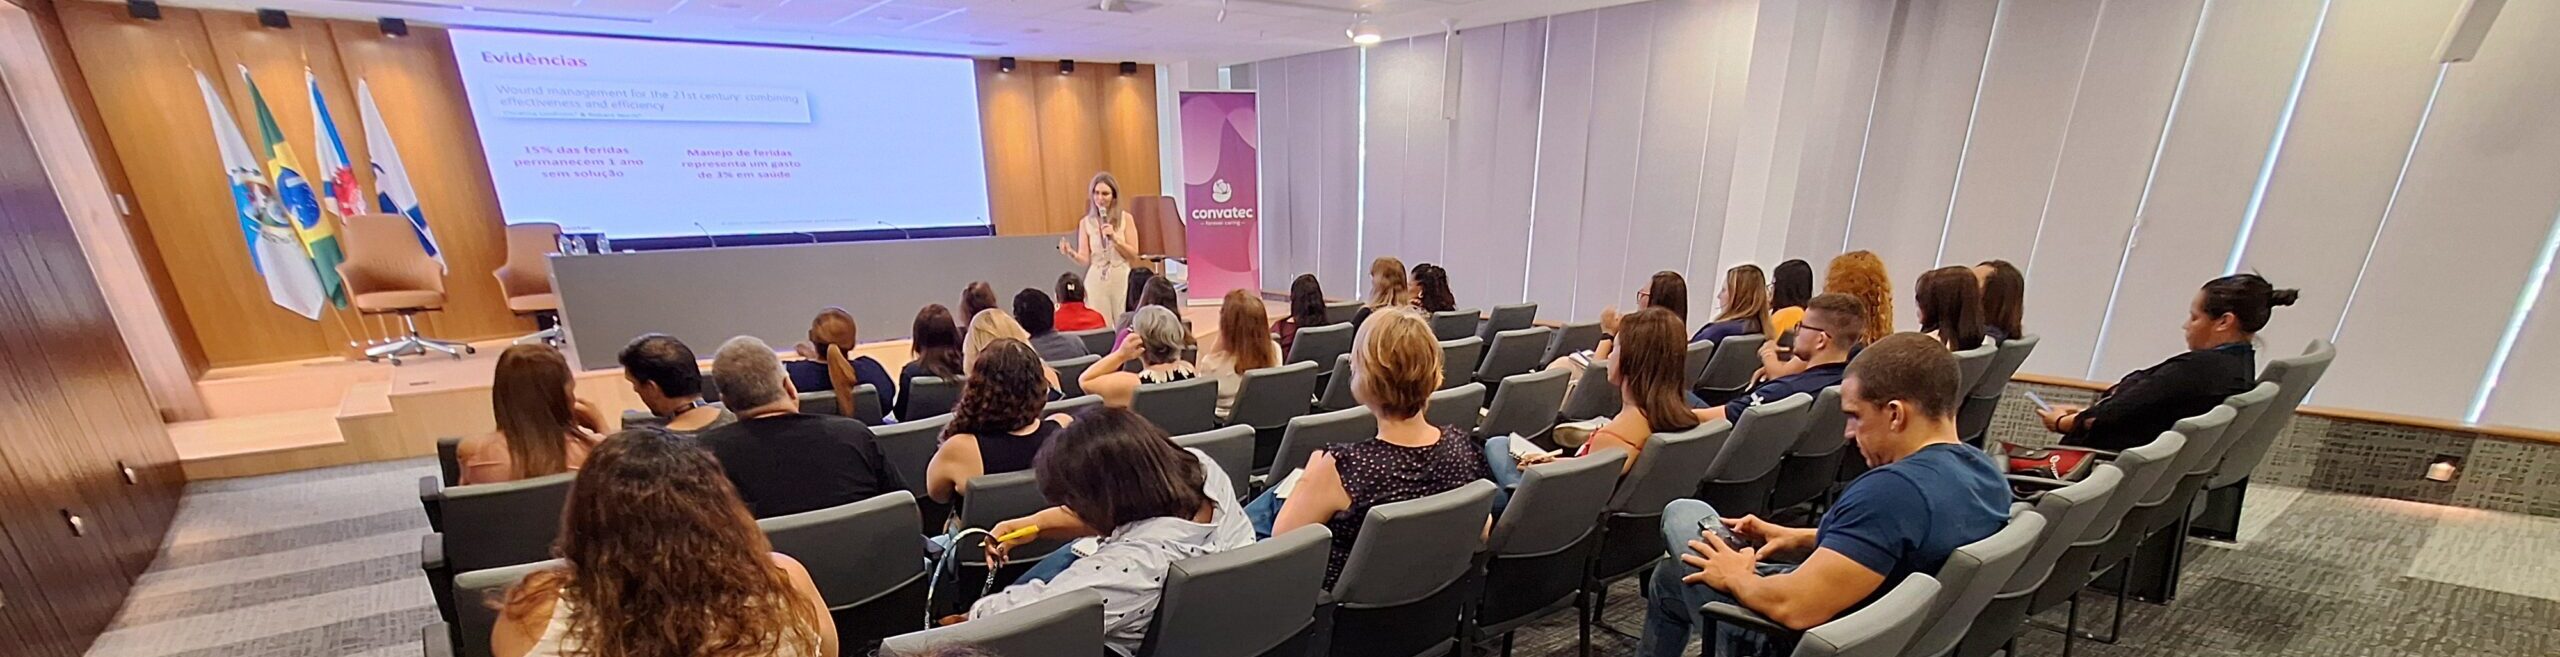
{"x": 784, "y": 461}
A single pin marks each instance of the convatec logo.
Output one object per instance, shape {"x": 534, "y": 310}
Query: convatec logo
{"x": 530, "y": 59}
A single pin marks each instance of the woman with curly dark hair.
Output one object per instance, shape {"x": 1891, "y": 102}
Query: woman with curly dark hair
{"x": 935, "y": 341}
{"x": 662, "y": 559}
{"x": 997, "y": 428}
{"x": 1431, "y": 289}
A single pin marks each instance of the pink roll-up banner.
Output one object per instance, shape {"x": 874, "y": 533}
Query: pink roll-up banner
{"x": 1221, "y": 192}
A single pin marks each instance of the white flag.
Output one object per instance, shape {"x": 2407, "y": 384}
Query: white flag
{"x": 273, "y": 248}
{"x": 391, "y": 179}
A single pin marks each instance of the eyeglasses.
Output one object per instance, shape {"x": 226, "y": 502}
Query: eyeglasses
{"x": 1802, "y": 327}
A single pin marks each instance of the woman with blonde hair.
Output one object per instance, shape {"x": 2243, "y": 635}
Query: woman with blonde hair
{"x": 1742, "y": 306}
{"x": 1388, "y": 288}
{"x": 1106, "y": 241}
{"x": 1242, "y": 345}
{"x": 988, "y": 328}
{"x": 832, "y": 365}
{"x": 543, "y": 427}
{"x": 1861, "y": 274}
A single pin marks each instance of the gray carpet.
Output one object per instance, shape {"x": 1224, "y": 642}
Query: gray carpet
{"x": 324, "y": 563}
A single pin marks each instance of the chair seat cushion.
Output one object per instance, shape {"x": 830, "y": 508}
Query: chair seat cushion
{"x": 534, "y": 303}
{"x": 398, "y": 300}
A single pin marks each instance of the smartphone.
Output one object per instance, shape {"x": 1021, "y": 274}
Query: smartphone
{"x": 1582, "y": 358}
{"x": 2039, "y": 401}
{"x": 1716, "y": 526}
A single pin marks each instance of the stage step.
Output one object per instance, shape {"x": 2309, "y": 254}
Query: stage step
{"x": 260, "y": 444}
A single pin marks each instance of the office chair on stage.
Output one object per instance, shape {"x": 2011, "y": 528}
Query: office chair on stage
{"x": 525, "y": 280}
{"x": 388, "y": 272}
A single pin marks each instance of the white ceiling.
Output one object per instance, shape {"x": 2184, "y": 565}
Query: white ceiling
{"x": 1153, "y": 31}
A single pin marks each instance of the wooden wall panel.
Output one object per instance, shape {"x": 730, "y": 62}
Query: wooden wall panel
{"x": 1129, "y": 137}
{"x": 1071, "y": 140}
{"x": 1017, "y": 191}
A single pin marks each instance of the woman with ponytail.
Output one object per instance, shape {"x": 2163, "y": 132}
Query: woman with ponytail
{"x": 2221, "y": 361}
{"x": 832, "y": 365}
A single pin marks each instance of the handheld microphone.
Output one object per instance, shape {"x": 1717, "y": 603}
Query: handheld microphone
{"x": 706, "y": 234}
{"x": 902, "y": 230}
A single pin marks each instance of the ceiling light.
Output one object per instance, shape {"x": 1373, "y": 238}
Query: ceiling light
{"x": 393, "y": 27}
{"x": 1006, "y": 64}
{"x": 142, "y": 9}
{"x": 1066, "y": 67}
{"x": 1364, "y": 32}
{"x": 1128, "y": 68}
{"x": 274, "y": 18}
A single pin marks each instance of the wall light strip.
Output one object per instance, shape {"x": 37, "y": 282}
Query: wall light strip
{"x": 2133, "y": 234}
{"x": 1360, "y": 197}
{"x": 2053, "y": 178}
{"x": 2275, "y": 145}
{"x": 1965, "y": 152}
{"x": 2416, "y": 137}
{"x": 2515, "y": 324}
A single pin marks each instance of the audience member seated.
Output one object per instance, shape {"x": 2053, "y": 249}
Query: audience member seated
{"x": 2220, "y": 362}
{"x": 1031, "y": 308}
{"x": 1072, "y": 314}
{"x": 1388, "y": 288}
{"x": 997, "y": 428}
{"x": 1666, "y": 290}
{"x": 1158, "y": 291}
{"x": 832, "y": 365}
{"x": 1156, "y": 340}
{"x": 976, "y": 298}
{"x": 934, "y": 340}
{"x": 1242, "y": 346}
{"x": 1860, "y": 274}
{"x": 1927, "y": 496}
{"x": 1950, "y": 302}
{"x": 662, "y": 559}
{"x": 2004, "y": 299}
{"x": 543, "y": 427}
{"x": 993, "y": 326}
{"x": 1832, "y": 324}
{"x": 1650, "y": 369}
{"x": 784, "y": 461}
{"x": 1742, "y": 306}
{"x": 1431, "y": 289}
{"x": 1790, "y": 285}
{"x": 1306, "y": 310}
{"x": 1395, "y": 367}
{"x": 668, "y": 380}
{"x": 1117, "y": 477}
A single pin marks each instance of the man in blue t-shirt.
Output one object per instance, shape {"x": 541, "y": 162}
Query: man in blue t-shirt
{"x": 1927, "y": 495}
{"x": 1832, "y": 324}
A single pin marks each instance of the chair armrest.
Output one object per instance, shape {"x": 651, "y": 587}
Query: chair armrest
{"x": 1729, "y": 613}
{"x": 431, "y": 552}
{"x": 435, "y": 640}
{"x": 2032, "y": 481}
{"x": 431, "y": 499}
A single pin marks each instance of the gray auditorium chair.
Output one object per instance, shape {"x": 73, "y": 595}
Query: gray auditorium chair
{"x": 1340, "y": 312}
{"x": 1880, "y": 629}
{"x": 1406, "y": 585}
{"x": 1507, "y": 317}
{"x": 1668, "y": 468}
{"x": 448, "y": 474}
{"x": 449, "y": 459}
{"x": 1805, "y": 473}
{"x": 1573, "y": 337}
{"x": 866, "y": 404}
{"x": 2148, "y": 469}
{"x": 1695, "y": 360}
{"x": 909, "y": 447}
{"x": 2296, "y": 376}
{"x": 1308, "y": 433}
{"x": 866, "y": 561}
{"x": 1982, "y": 401}
{"x": 1320, "y": 344}
{"x": 1232, "y": 448}
{"x": 1972, "y": 575}
{"x": 928, "y": 396}
{"x": 1460, "y": 407}
{"x": 2152, "y": 575}
{"x": 1071, "y": 374}
{"x": 993, "y": 499}
{"x": 1337, "y": 386}
{"x": 1540, "y": 548}
{"x": 491, "y": 526}
{"x": 1071, "y": 405}
{"x": 1458, "y": 360}
{"x": 1454, "y": 324}
{"x": 1525, "y": 405}
{"x": 1746, "y": 471}
{"x": 1512, "y": 352}
{"x": 1260, "y": 600}
{"x": 1592, "y": 395}
{"x": 1972, "y": 364}
{"x": 1179, "y": 407}
{"x": 1096, "y": 341}
{"x": 1729, "y": 369}
{"x": 2069, "y": 511}
{"x": 1265, "y": 400}
{"x": 468, "y": 630}
{"x": 1066, "y": 625}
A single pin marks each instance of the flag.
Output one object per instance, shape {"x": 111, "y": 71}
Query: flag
{"x": 391, "y": 179}
{"x": 273, "y": 250}
{"x": 338, "y": 192}
{"x": 319, "y": 238}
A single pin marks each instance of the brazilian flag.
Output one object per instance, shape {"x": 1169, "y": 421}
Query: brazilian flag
{"x": 319, "y": 239}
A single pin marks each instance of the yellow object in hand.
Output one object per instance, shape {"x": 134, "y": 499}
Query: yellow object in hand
{"x": 1026, "y": 533}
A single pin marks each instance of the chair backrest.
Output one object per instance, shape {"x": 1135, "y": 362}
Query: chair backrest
{"x": 449, "y": 460}
{"x": 1068, "y": 624}
{"x": 1507, "y": 317}
{"x": 475, "y": 591}
{"x": 1337, "y": 386}
{"x": 1411, "y": 549}
{"x": 866, "y": 404}
{"x": 2013, "y": 354}
{"x": 1972, "y": 575}
{"x": 1308, "y": 433}
{"x": 2247, "y": 408}
{"x": 1880, "y": 629}
{"x": 1592, "y": 395}
{"x": 1266, "y": 398}
{"x": 1320, "y": 344}
{"x": 1460, "y": 407}
{"x": 909, "y": 447}
{"x": 2204, "y": 434}
{"x": 1825, "y": 428}
{"x": 1096, "y": 341}
{"x": 383, "y": 254}
{"x": 855, "y": 552}
{"x": 1972, "y": 364}
{"x": 1231, "y": 446}
{"x": 1526, "y": 404}
{"x": 1695, "y": 360}
{"x": 1071, "y": 404}
{"x": 1242, "y": 602}
{"x": 928, "y": 396}
{"x": 1071, "y": 373}
{"x": 1812, "y": 465}
{"x": 822, "y": 402}
{"x": 527, "y": 271}
{"x": 2068, "y": 511}
{"x": 1000, "y": 497}
{"x": 2145, "y": 467}
{"x": 503, "y": 524}
{"x": 1340, "y": 312}
{"x": 2297, "y": 375}
{"x": 1454, "y": 324}
{"x": 1729, "y": 368}
{"x": 1180, "y": 407}
{"x": 1573, "y": 337}
{"x": 1458, "y": 360}
{"x": 1761, "y": 438}
{"x": 1513, "y": 352}
{"x": 1556, "y": 504}
{"x": 1669, "y": 468}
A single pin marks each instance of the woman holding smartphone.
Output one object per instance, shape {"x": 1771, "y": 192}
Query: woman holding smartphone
{"x": 1106, "y": 241}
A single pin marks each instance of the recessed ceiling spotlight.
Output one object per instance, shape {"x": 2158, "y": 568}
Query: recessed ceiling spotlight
{"x": 1066, "y": 67}
{"x": 1006, "y": 64}
{"x": 393, "y": 27}
{"x": 1365, "y": 32}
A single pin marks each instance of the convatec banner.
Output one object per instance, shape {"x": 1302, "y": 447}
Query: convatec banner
{"x": 1221, "y": 191}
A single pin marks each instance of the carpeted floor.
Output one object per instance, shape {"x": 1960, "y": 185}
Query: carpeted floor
{"x": 324, "y": 563}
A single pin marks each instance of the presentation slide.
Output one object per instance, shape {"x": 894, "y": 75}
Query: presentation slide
{"x": 637, "y": 138}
